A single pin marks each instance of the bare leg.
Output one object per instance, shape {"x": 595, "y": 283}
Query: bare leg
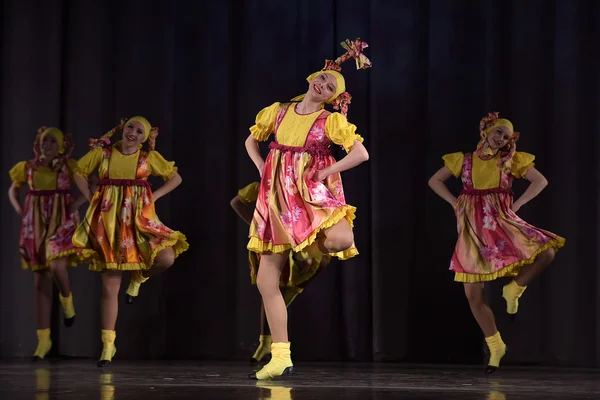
{"x": 43, "y": 298}
{"x": 481, "y": 310}
{"x": 60, "y": 275}
{"x": 267, "y": 281}
{"x": 337, "y": 238}
{"x": 264, "y": 324}
{"x": 163, "y": 261}
{"x": 111, "y": 283}
{"x": 61, "y": 278}
{"x": 485, "y": 318}
{"x": 528, "y": 272}
{"x": 332, "y": 240}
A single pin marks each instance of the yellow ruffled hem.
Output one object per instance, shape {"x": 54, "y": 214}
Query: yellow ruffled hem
{"x": 509, "y": 270}
{"x": 177, "y": 241}
{"x": 258, "y": 246}
{"x": 74, "y": 259}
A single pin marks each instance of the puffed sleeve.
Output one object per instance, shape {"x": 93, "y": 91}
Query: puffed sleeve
{"x": 158, "y": 166}
{"x": 249, "y": 194}
{"x": 341, "y": 132}
{"x": 72, "y": 166}
{"x": 18, "y": 174}
{"x": 521, "y": 162}
{"x": 90, "y": 162}
{"x": 265, "y": 122}
{"x": 454, "y": 162}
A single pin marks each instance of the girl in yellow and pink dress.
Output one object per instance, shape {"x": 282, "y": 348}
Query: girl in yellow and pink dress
{"x": 121, "y": 231}
{"x": 295, "y": 275}
{"x": 301, "y": 205}
{"x": 48, "y": 221}
{"x": 493, "y": 241}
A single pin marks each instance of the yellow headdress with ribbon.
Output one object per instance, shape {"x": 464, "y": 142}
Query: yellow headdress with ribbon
{"x": 487, "y": 123}
{"x": 145, "y": 123}
{"x": 65, "y": 147}
{"x": 341, "y": 99}
{"x": 149, "y": 133}
{"x": 57, "y": 133}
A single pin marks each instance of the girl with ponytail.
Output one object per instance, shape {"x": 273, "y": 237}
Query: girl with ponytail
{"x": 121, "y": 231}
{"x": 493, "y": 241}
{"x": 48, "y": 220}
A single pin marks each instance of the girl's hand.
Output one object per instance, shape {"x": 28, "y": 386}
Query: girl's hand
{"x": 515, "y": 207}
{"x": 319, "y": 176}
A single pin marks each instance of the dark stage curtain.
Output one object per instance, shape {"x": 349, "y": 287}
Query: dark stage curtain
{"x": 201, "y": 70}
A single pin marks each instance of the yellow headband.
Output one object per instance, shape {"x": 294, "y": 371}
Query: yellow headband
{"x": 501, "y": 122}
{"x": 340, "y": 81}
{"x": 57, "y": 133}
{"x": 145, "y": 123}
{"x": 340, "y": 87}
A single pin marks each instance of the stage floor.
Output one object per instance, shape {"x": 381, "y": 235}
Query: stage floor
{"x": 78, "y": 379}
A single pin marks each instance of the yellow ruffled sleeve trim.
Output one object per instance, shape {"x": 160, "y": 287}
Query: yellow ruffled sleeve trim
{"x": 521, "y": 163}
{"x": 454, "y": 162}
{"x": 159, "y": 166}
{"x": 265, "y": 122}
{"x": 341, "y": 132}
{"x": 89, "y": 162}
{"x": 249, "y": 194}
{"x": 18, "y": 174}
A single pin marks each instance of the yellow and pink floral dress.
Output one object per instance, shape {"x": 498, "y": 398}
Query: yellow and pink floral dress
{"x": 47, "y": 223}
{"x": 493, "y": 241}
{"x": 291, "y": 208}
{"x": 121, "y": 230}
{"x": 294, "y": 272}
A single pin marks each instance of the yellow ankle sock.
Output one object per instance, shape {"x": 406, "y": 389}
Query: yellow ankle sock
{"x": 44, "y": 343}
{"x": 280, "y": 361}
{"x": 108, "y": 340}
{"x": 135, "y": 281}
{"x": 497, "y": 349}
{"x": 67, "y": 305}
{"x": 264, "y": 347}
{"x": 511, "y": 293}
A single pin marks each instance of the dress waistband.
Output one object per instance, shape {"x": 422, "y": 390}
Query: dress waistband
{"x": 48, "y": 192}
{"x": 312, "y": 150}
{"x": 124, "y": 182}
{"x": 483, "y": 192}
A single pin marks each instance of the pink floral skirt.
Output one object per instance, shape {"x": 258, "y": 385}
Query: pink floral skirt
{"x": 47, "y": 229}
{"x": 291, "y": 208}
{"x": 493, "y": 241}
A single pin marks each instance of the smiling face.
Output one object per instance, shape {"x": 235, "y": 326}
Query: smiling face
{"x": 498, "y": 137}
{"x": 322, "y": 87}
{"x": 133, "y": 133}
{"x": 49, "y": 146}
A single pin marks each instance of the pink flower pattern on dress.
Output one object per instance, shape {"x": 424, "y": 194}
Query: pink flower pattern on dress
{"x": 48, "y": 225}
{"x": 491, "y": 236}
{"x": 301, "y": 203}
{"x": 290, "y": 217}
